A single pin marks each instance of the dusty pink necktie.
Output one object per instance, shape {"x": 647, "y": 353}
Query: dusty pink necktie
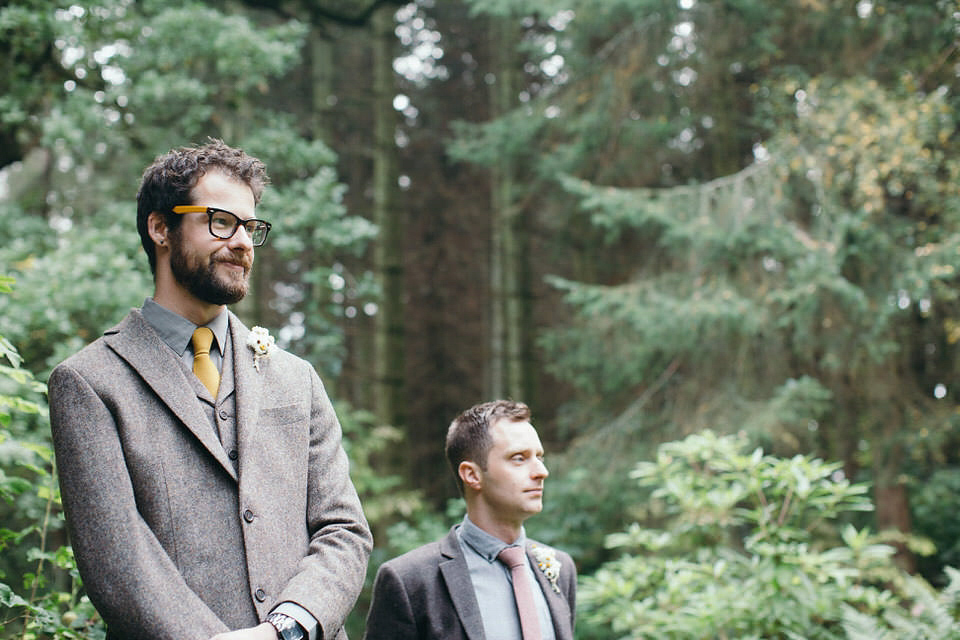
{"x": 516, "y": 559}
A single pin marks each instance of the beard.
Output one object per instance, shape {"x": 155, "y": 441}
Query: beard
{"x": 203, "y": 281}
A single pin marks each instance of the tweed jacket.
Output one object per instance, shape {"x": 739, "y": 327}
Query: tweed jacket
{"x": 427, "y": 594}
{"x": 172, "y": 537}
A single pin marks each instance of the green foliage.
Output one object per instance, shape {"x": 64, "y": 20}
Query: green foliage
{"x": 931, "y": 616}
{"x": 380, "y": 487}
{"x": 384, "y": 498}
{"x": 934, "y": 502}
{"x": 809, "y": 297}
{"x": 746, "y": 545}
{"x": 763, "y": 227}
{"x": 47, "y": 600}
{"x": 583, "y": 503}
{"x": 419, "y": 528}
{"x": 95, "y": 275}
{"x": 312, "y": 235}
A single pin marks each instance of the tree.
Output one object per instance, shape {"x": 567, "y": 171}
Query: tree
{"x": 507, "y": 242}
{"x": 819, "y": 300}
{"x": 759, "y": 228}
{"x": 388, "y": 252}
{"x": 747, "y": 545}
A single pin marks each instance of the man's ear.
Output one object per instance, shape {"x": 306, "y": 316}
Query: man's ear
{"x": 157, "y": 227}
{"x": 470, "y": 473}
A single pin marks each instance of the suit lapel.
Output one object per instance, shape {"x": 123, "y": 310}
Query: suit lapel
{"x": 138, "y": 344}
{"x": 559, "y": 605}
{"x": 248, "y": 385}
{"x": 456, "y": 575}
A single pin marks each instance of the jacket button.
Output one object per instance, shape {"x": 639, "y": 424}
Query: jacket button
{"x": 248, "y": 515}
{"x": 260, "y": 595}
{"x": 223, "y": 414}
{"x": 233, "y": 455}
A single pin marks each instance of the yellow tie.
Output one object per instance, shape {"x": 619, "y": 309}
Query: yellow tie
{"x": 203, "y": 366}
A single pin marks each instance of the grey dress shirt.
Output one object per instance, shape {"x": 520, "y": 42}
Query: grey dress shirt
{"x": 177, "y": 332}
{"x": 494, "y": 587}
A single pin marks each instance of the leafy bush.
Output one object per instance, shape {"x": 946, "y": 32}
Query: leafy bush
{"x": 47, "y": 601}
{"x": 748, "y": 546}
{"x": 930, "y": 616}
{"x": 935, "y": 512}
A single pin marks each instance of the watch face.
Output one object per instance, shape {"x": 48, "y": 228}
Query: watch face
{"x": 292, "y": 632}
{"x": 287, "y": 628}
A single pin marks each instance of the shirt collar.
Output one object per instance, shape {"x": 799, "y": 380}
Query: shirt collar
{"x": 176, "y": 331}
{"x": 487, "y": 546}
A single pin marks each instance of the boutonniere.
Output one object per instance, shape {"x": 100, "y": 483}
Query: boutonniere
{"x": 262, "y": 344}
{"x": 548, "y": 563}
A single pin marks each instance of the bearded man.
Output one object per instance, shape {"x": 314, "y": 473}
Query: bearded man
{"x": 203, "y": 478}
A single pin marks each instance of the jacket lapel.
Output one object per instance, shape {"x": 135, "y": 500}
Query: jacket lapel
{"x": 138, "y": 344}
{"x": 453, "y": 567}
{"x": 248, "y": 384}
{"x": 558, "y": 604}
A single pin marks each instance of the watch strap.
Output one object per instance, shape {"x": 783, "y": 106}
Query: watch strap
{"x": 287, "y": 628}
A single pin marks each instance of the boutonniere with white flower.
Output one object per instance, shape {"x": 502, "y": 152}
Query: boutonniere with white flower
{"x": 548, "y": 563}
{"x": 262, "y": 344}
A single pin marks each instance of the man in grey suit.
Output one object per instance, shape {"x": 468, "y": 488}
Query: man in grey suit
{"x": 204, "y": 482}
{"x": 455, "y": 588}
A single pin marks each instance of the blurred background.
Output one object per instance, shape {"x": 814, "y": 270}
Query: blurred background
{"x": 714, "y": 244}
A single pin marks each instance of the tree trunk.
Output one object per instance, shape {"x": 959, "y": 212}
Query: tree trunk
{"x": 890, "y": 491}
{"x": 321, "y": 82}
{"x": 388, "y": 254}
{"x": 506, "y": 373}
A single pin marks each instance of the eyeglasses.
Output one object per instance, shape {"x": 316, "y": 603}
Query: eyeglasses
{"x": 223, "y": 224}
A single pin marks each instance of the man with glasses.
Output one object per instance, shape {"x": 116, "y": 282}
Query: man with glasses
{"x": 203, "y": 478}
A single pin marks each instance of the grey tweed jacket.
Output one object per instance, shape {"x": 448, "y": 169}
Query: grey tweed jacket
{"x": 427, "y": 594}
{"x": 172, "y": 538}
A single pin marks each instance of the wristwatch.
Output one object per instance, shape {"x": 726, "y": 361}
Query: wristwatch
{"x": 287, "y": 628}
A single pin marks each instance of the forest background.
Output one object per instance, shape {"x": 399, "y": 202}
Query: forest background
{"x": 713, "y": 243}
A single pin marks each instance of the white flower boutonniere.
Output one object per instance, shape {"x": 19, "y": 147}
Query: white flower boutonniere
{"x": 548, "y": 563}
{"x": 262, "y": 344}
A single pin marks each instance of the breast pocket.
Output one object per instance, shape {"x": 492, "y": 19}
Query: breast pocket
{"x": 283, "y": 434}
{"x": 286, "y": 414}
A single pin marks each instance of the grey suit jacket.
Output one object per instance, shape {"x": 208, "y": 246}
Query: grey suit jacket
{"x": 173, "y": 540}
{"x": 427, "y": 594}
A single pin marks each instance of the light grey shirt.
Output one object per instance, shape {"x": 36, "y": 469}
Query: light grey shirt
{"x": 494, "y": 587}
{"x": 177, "y": 333}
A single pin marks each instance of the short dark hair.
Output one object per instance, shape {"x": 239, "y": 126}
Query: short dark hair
{"x": 168, "y": 182}
{"x": 468, "y": 437}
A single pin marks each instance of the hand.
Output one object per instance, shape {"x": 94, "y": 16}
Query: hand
{"x": 263, "y": 631}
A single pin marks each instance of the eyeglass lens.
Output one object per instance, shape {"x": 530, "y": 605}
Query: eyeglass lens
{"x": 223, "y": 225}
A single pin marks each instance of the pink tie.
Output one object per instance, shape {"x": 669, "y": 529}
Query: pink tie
{"x": 516, "y": 559}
